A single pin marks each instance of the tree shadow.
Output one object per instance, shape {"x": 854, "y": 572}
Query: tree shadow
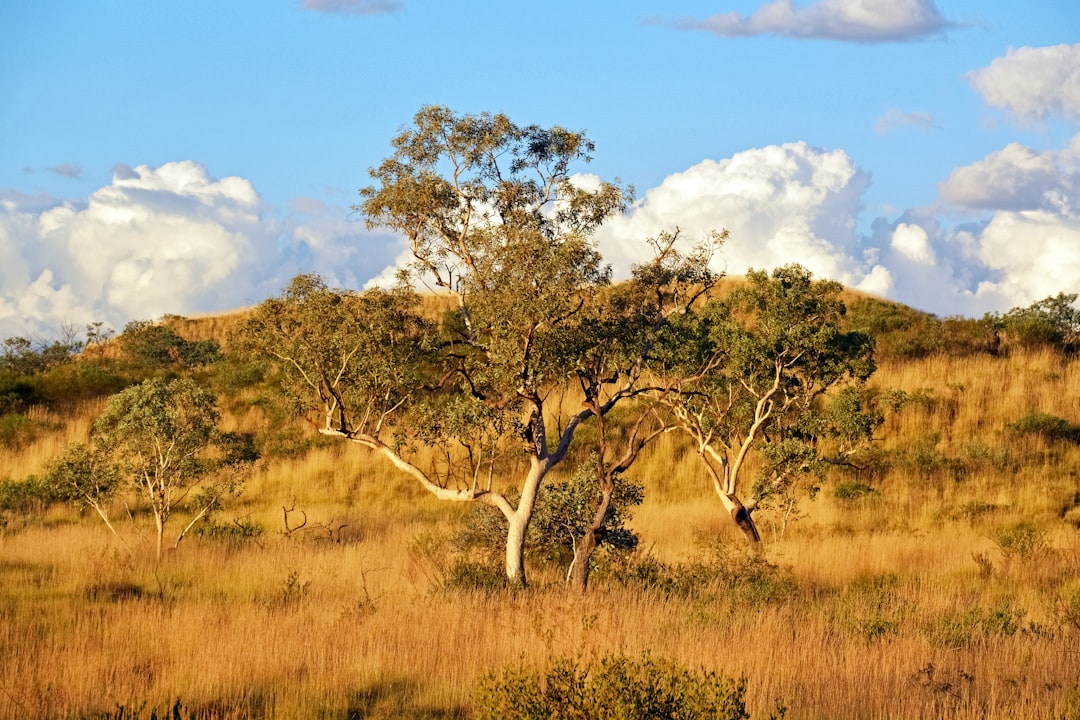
{"x": 394, "y": 700}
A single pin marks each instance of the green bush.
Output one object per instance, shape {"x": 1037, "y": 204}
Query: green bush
{"x": 615, "y": 688}
{"x": 1053, "y": 321}
{"x": 852, "y": 491}
{"x": 1047, "y": 426}
{"x": 1024, "y": 541}
{"x": 474, "y": 576}
{"x": 157, "y": 345}
{"x": 723, "y": 574}
{"x": 961, "y": 629}
{"x": 23, "y": 498}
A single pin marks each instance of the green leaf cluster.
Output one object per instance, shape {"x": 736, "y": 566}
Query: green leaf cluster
{"x": 614, "y": 688}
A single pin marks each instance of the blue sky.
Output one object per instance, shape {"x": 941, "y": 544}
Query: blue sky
{"x": 183, "y": 157}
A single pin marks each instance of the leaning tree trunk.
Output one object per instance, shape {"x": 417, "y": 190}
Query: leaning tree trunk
{"x": 587, "y": 543}
{"x": 518, "y": 523}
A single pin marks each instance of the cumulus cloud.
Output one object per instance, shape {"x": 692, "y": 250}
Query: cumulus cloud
{"x": 912, "y": 242}
{"x": 794, "y": 203}
{"x": 168, "y": 239}
{"x": 782, "y": 204}
{"x": 1035, "y": 253}
{"x": 353, "y": 7}
{"x": 1033, "y": 83}
{"x": 847, "y": 20}
{"x": 1018, "y": 178}
{"x": 896, "y": 118}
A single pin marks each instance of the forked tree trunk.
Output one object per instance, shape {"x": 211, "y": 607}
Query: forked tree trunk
{"x": 740, "y": 515}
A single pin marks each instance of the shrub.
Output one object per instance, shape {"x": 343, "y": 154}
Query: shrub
{"x": 955, "y": 630}
{"x": 474, "y": 576}
{"x": 157, "y": 345}
{"x": 1023, "y": 540}
{"x": 852, "y": 491}
{"x": 21, "y": 498}
{"x": 1047, "y": 426}
{"x": 615, "y": 688}
{"x": 737, "y": 576}
{"x": 1053, "y": 321}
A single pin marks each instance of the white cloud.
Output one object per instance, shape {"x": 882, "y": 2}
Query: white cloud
{"x": 1017, "y": 178}
{"x": 353, "y": 7}
{"x": 170, "y": 239}
{"x": 913, "y": 243}
{"x": 1033, "y": 83}
{"x": 850, "y": 20}
{"x": 782, "y": 204}
{"x": 794, "y": 203}
{"x": 1036, "y": 253}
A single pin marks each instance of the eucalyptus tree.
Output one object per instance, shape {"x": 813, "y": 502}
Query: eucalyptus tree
{"x": 160, "y": 441}
{"x": 768, "y": 370}
{"x": 497, "y": 221}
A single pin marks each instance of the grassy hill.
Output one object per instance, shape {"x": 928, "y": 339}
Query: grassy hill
{"x": 938, "y": 576}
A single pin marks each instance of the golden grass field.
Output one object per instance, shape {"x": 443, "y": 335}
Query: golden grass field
{"x": 901, "y": 603}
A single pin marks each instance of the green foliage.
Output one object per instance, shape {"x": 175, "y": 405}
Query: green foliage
{"x": 1047, "y": 426}
{"x": 160, "y": 440}
{"x": 16, "y": 430}
{"x": 1023, "y": 541}
{"x": 85, "y": 475}
{"x": 775, "y": 373}
{"x": 615, "y": 688}
{"x": 564, "y": 510}
{"x": 852, "y": 491}
{"x": 237, "y": 533}
{"x": 159, "y": 346}
{"x": 903, "y": 332}
{"x": 24, "y": 356}
{"x": 1053, "y": 321}
{"x": 961, "y": 629}
{"x": 725, "y": 575}
{"x": 471, "y": 576}
{"x": 358, "y": 360}
{"x": 29, "y": 496}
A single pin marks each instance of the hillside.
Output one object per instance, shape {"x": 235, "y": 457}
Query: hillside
{"x": 936, "y": 575}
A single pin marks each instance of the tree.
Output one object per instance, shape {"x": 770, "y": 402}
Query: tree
{"x": 494, "y": 220}
{"x": 161, "y": 436}
{"x": 756, "y": 370}
{"x": 158, "y": 345}
{"x": 86, "y": 476}
{"x": 1054, "y": 320}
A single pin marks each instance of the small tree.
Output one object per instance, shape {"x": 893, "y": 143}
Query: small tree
{"x": 160, "y": 435}
{"x": 85, "y": 475}
{"x": 755, "y": 370}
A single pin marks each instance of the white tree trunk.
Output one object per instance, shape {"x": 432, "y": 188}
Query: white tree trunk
{"x": 518, "y": 522}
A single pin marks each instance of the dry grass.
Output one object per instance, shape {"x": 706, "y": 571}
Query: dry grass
{"x": 901, "y": 604}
